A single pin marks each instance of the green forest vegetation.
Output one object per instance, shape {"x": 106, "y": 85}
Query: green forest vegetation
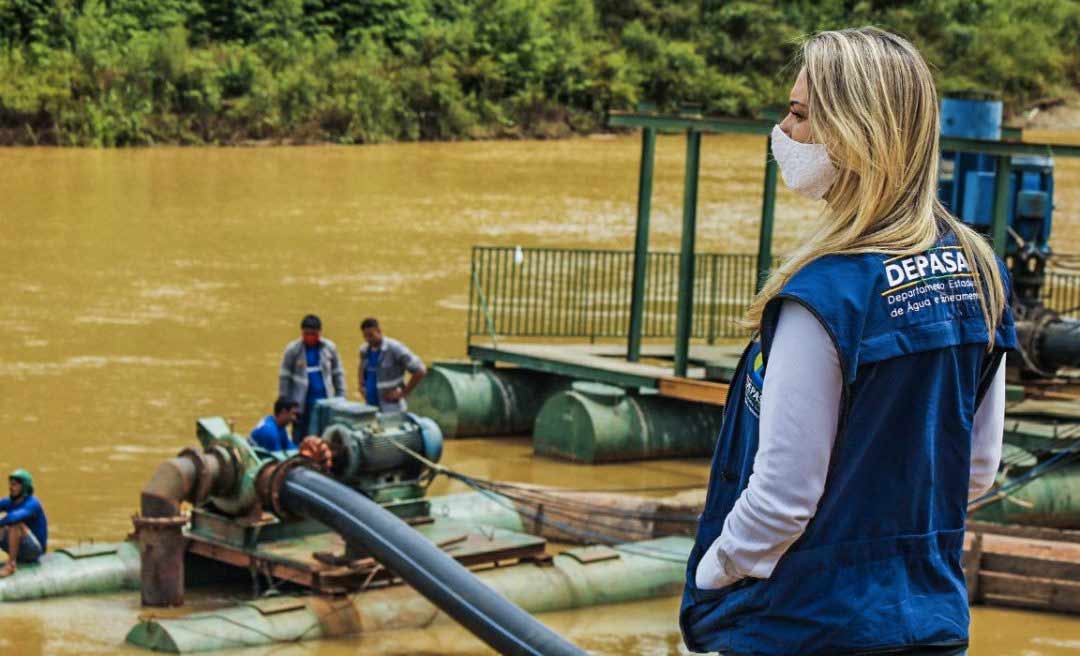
{"x": 134, "y": 72}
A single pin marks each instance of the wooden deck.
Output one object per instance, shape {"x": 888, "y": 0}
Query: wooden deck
{"x": 1023, "y": 567}
{"x": 606, "y": 363}
{"x": 317, "y": 561}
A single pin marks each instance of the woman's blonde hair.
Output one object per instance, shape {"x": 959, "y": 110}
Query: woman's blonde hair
{"x": 874, "y": 106}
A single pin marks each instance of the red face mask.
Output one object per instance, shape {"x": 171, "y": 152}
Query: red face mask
{"x": 311, "y": 340}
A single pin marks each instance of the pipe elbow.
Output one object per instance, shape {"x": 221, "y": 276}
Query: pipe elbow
{"x": 172, "y": 483}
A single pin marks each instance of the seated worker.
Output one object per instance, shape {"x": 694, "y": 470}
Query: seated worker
{"x": 273, "y": 434}
{"x": 383, "y": 363}
{"x": 24, "y": 531}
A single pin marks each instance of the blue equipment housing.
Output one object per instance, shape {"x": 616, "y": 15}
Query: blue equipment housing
{"x": 1047, "y": 341}
{"x": 966, "y": 183}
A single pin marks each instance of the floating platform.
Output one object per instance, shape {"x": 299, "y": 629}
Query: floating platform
{"x": 576, "y": 578}
{"x": 306, "y": 554}
{"x": 583, "y": 402}
{"x": 705, "y": 382}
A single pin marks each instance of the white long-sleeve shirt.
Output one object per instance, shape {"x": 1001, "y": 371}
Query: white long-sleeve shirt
{"x": 795, "y": 443}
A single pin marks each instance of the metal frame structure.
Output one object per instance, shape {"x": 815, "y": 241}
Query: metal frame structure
{"x": 694, "y": 126}
{"x": 538, "y": 292}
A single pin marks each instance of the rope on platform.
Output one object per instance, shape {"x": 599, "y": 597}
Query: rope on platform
{"x": 1058, "y": 460}
{"x": 593, "y": 537}
{"x": 505, "y": 494}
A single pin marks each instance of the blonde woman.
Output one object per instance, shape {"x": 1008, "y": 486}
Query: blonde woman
{"x": 870, "y": 406}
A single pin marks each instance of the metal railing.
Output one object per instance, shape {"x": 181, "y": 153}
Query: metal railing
{"x": 556, "y": 292}
{"x": 1061, "y": 293}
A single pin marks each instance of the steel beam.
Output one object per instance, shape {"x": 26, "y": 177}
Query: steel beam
{"x": 562, "y": 368}
{"x": 999, "y": 229}
{"x": 768, "y": 212}
{"x": 763, "y": 127}
{"x": 641, "y": 243}
{"x": 685, "y": 312}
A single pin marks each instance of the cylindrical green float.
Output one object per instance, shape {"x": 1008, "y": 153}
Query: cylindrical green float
{"x": 87, "y": 569}
{"x": 588, "y": 576}
{"x": 593, "y": 422}
{"x": 471, "y": 399}
{"x": 1052, "y": 499}
{"x": 478, "y": 509}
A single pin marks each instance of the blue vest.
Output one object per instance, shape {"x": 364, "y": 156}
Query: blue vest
{"x": 371, "y": 377}
{"x": 878, "y": 567}
{"x": 316, "y": 385}
{"x": 268, "y": 435}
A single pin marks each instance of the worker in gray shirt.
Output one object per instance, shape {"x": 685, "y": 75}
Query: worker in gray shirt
{"x": 383, "y": 364}
{"x": 310, "y": 371}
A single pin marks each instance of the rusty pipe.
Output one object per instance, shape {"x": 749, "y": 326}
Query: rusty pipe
{"x": 173, "y": 482}
{"x": 191, "y": 476}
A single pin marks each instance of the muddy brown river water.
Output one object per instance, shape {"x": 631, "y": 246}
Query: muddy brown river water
{"x": 140, "y": 289}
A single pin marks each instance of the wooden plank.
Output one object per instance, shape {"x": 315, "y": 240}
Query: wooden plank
{"x": 699, "y": 353}
{"x": 1032, "y": 532}
{"x": 559, "y": 353}
{"x": 562, "y": 367}
{"x": 1028, "y": 557}
{"x": 1062, "y": 570}
{"x": 1014, "y": 602}
{"x": 287, "y": 571}
{"x": 972, "y": 562}
{"x": 1061, "y": 596}
{"x": 700, "y": 391}
{"x": 579, "y": 361}
{"x": 1044, "y": 408}
{"x": 1032, "y": 548}
{"x": 1059, "y": 395}
{"x": 292, "y": 563}
{"x": 592, "y": 554}
{"x": 564, "y": 362}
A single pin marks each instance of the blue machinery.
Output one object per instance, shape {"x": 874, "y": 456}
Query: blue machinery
{"x": 967, "y": 179}
{"x": 968, "y": 183}
{"x": 970, "y": 189}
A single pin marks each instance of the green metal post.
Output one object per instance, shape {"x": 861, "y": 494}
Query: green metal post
{"x": 768, "y": 212}
{"x": 999, "y": 231}
{"x": 641, "y": 243}
{"x": 685, "y": 310}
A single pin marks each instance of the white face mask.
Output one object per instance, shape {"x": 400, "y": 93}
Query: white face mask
{"x": 806, "y": 167}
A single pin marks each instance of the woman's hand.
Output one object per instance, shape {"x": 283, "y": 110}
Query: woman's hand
{"x": 712, "y": 572}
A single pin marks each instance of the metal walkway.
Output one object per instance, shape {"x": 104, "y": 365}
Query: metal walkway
{"x": 606, "y": 363}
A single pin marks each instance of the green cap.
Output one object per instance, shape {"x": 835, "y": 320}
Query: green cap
{"x": 25, "y": 478}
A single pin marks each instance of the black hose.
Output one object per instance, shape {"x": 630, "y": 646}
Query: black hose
{"x": 1060, "y": 344}
{"x": 442, "y": 580}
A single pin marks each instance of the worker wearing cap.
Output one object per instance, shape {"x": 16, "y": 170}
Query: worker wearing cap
{"x": 383, "y": 365}
{"x": 24, "y": 531}
{"x": 310, "y": 371}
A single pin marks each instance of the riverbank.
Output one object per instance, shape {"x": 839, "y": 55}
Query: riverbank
{"x": 1058, "y": 123}
{"x": 209, "y": 72}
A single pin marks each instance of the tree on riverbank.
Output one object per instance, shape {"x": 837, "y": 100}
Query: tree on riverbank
{"x": 123, "y": 72}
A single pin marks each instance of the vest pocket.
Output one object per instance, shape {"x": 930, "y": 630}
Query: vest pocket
{"x": 708, "y": 618}
{"x": 701, "y": 595}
